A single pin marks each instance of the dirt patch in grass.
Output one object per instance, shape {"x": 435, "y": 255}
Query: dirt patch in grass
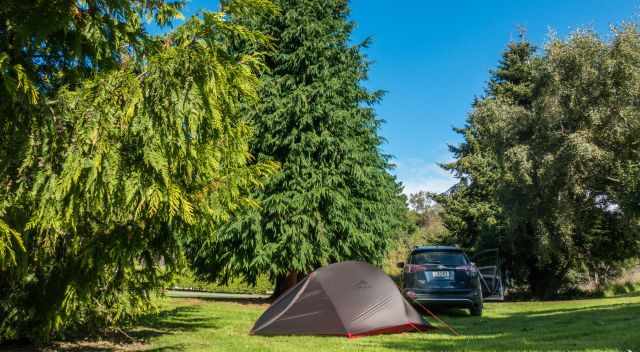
{"x": 98, "y": 345}
{"x": 106, "y": 344}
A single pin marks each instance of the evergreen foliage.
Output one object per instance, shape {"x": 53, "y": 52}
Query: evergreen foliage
{"x": 334, "y": 199}
{"x": 549, "y": 164}
{"x": 117, "y": 147}
{"x": 424, "y": 226}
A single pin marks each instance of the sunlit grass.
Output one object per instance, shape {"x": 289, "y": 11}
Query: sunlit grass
{"x": 609, "y": 324}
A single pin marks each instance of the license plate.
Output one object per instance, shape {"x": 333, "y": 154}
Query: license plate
{"x": 441, "y": 274}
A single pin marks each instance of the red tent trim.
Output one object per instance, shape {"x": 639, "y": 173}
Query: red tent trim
{"x": 408, "y": 327}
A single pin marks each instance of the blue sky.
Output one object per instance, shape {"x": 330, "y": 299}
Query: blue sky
{"x": 433, "y": 57}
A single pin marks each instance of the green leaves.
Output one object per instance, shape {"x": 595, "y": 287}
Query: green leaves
{"x": 333, "y": 199}
{"x": 125, "y": 156}
{"x": 15, "y": 82}
{"x": 543, "y": 157}
{"x": 10, "y": 243}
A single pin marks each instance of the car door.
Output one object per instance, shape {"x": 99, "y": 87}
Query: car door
{"x": 488, "y": 264}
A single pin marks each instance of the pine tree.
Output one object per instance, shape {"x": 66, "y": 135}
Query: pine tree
{"x": 334, "y": 198}
{"x": 514, "y": 78}
{"x": 473, "y": 214}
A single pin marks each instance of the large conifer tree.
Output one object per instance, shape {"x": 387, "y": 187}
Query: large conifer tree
{"x": 473, "y": 214}
{"x": 334, "y": 199}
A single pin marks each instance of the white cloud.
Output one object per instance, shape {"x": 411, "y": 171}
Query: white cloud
{"x": 419, "y": 175}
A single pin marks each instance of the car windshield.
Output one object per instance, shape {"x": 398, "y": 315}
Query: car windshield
{"x": 442, "y": 258}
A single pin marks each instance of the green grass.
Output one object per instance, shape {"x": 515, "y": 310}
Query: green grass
{"x": 607, "y": 324}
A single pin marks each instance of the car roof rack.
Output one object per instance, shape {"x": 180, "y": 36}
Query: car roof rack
{"x": 435, "y": 248}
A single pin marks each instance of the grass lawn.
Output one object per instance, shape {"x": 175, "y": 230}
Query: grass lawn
{"x": 608, "y": 324}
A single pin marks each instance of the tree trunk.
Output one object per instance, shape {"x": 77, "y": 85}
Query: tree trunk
{"x": 545, "y": 284}
{"x": 285, "y": 282}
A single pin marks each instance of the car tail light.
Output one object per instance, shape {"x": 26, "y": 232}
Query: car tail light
{"x": 414, "y": 268}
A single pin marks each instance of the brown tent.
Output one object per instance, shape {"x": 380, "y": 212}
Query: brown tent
{"x": 347, "y": 299}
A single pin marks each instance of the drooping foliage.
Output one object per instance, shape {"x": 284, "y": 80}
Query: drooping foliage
{"x": 549, "y": 165}
{"x": 117, "y": 147}
{"x": 334, "y": 198}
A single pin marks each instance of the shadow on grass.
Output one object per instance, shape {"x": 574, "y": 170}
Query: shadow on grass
{"x": 602, "y": 327}
{"x": 242, "y": 301}
{"x": 172, "y": 321}
{"x": 168, "y": 322}
{"x": 630, "y": 294}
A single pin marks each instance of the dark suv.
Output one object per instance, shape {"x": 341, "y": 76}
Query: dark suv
{"x": 442, "y": 276}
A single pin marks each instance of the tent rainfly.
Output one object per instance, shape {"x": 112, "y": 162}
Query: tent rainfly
{"x": 344, "y": 299}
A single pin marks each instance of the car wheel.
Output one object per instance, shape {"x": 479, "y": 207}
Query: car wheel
{"x": 476, "y": 310}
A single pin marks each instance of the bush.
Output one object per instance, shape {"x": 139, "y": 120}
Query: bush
{"x": 428, "y": 230}
{"x": 622, "y": 289}
{"x": 188, "y": 281}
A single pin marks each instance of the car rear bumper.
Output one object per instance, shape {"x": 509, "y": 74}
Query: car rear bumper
{"x": 449, "y": 302}
{"x": 465, "y": 301}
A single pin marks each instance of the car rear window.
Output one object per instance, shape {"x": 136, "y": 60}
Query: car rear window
{"x": 442, "y": 258}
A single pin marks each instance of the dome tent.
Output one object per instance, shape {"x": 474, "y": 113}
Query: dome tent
{"x": 345, "y": 299}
